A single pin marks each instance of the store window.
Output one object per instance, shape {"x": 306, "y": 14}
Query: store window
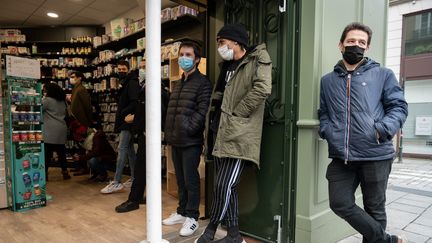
{"x": 417, "y": 130}
{"x": 418, "y": 33}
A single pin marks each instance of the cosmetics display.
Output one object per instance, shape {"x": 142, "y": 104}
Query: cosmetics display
{"x": 23, "y": 138}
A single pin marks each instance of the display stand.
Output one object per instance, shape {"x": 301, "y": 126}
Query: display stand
{"x": 23, "y": 139}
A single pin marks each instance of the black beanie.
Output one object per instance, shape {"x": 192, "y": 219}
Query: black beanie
{"x": 234, "y": 32}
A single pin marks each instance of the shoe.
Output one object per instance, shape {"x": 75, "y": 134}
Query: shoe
{"x": 231, "y": 239}
{"x": 101, "y": 178}
{"x": 128, "y": 183}
{"x": 66, "y": 175}
{"x": 189, "y": 227}
{"x": 93, "y": 177}
{"x": 143, "y": 201}
{"x": 82, "y": 172}
{"x": 114, "y": 186}
{"x": 127, "y": 207}
{"x": 206, "y": 237}
{"x": 402, "y": 239}
{"x": 75, "y": 169}
{"x": 173, "y": 219}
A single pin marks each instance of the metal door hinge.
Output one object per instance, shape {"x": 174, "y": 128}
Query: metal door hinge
{"x": 282, "y": 6}
{"x": 278, "y": 218}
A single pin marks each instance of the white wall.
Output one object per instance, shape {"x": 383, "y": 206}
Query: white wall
{"x": 418, "y": 91}
{"x": 394, "y": 34}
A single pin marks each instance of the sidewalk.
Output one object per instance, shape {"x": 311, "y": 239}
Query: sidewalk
{"x": 409, "y": 201}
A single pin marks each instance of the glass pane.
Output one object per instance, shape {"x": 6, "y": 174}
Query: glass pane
{"x": 417, "y": 130}
{"x": 418, "y": 34}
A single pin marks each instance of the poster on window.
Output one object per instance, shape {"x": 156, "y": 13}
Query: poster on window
{"x": 423, "y": 126}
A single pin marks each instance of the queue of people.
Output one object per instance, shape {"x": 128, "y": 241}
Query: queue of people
{"x": 361, "y": 108}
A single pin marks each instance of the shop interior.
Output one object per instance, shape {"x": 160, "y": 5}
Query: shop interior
{"x": 89, "y": 36}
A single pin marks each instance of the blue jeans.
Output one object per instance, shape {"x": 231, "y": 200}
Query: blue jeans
{"x": 97, "y": 165}
{"x": 372, "y": 177}
{"x": 125, "y": 151}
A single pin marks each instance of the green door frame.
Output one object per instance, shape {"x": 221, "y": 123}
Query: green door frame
{"x": 282, "y": 105}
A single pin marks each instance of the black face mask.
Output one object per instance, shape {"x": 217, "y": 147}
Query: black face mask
{"x": 353, "y": 54}
{"x": 122, "y": 75}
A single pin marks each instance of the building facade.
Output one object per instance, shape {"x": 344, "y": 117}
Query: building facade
{"x": 409, "y": 55}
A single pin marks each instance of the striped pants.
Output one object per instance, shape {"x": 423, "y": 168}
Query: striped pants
{"x": 225, "y": 198}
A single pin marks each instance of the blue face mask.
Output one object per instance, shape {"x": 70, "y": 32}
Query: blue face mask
{"x": 186, "y": 63}
{"x": 142, "y": 75}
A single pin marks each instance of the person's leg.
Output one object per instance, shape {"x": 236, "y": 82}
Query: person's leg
{"x": 177, "y": 158}
{"x": 343, "y": 181}
{"x": 123, "y": 150}
{"x": 139, "y": 183}
{"x": 232, "y": 210}
{"x": 61, "y": 153}
{"x": 227, "y": 177}
{"x": 373, "y": 182}
{"x": 191, "y": 159}
{"x": 96, "y": 165}
{"x": 131, "y": 156}
{"x": 48, "y": 156}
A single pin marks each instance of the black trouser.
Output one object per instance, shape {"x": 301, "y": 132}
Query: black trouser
{"x": 372, "y": 176}
{"x": 186, "y": 161}
{"x": 139, "y": 182}
{"x": 61, "y": 154}
{"x": 225, "y": 198}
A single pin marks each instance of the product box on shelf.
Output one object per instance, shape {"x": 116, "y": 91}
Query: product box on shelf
{"x": 118, "y": 27}
{"x": 166, "y": 14}
{"x": 141, "y": 43}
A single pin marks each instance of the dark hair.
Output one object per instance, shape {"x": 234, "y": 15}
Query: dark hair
{"x": 54, "y": 91}
{"x": 123, "y": 63}
{"x": 195, "y": 46}
{"x": 356, "y": 26}
{"x": 78, "y": 74}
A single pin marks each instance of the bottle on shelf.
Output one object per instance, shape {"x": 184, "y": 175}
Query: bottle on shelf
{"x": 34, "y": 48}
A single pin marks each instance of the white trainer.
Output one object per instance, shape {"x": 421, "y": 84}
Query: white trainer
{"x": 173, "y": 219}
{"x": 128, "y": 183}
{"x": 189, "y": 227}
{"x": 114, "y": 186}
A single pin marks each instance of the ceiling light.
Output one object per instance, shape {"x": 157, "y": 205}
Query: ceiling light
{"x": 52, "y": 15}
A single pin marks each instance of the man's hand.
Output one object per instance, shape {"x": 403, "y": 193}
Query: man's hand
{"x": 377, "y": 135}
{"x": 129, "y": 118}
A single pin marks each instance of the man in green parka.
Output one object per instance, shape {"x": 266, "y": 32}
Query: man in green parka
{"x": 236, "y": 120}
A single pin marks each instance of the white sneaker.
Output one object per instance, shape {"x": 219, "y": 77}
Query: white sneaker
{"x": 114, "y": 186}
{"x": 128, "y": 183}
{"x": 189, "y": 227}
{"x": 174, "y": 218}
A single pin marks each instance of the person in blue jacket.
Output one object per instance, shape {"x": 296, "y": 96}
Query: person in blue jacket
{"x": 362, "y": 107}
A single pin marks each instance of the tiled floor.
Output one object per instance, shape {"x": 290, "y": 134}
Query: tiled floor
{"x": 409, "y": 201}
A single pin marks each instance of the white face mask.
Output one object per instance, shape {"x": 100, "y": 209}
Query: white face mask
{"x": 226, "y": 53}
{"x": 72, "y": 81}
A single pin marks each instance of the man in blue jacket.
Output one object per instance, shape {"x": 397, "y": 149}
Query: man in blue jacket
{"x": 361, "y": 108}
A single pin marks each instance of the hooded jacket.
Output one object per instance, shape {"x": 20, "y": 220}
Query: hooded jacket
{"x": 361, "y": 112}
{"x": 240, "y": 125}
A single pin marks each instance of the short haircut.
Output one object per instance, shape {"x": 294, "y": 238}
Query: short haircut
{"x": 123, "y": 63}
{"x": 195, "y": 46}
{"x": 54, "y": 91}
{"x": 356, "y": 26}
{"x": 78, "y": 74}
